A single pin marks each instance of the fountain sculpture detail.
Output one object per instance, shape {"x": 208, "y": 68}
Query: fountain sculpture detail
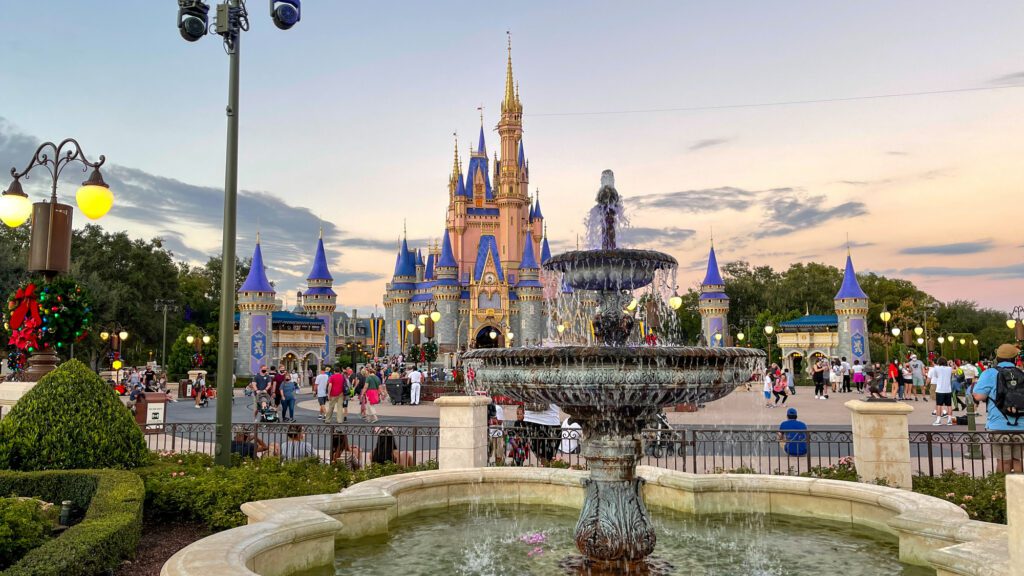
{"x": 613, "y": 389}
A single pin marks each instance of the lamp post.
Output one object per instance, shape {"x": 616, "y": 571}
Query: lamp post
{"x": 115, "y": 336}
{"x": 768, "y": 330}
{"x": 1015, "y": 322}
{"x": 232, "y": 20}
{"x": 197, "y": 344}
{"x": 886, "y": 316}
{"x": 165, "y": 305}
{"x": 50, "y": 245}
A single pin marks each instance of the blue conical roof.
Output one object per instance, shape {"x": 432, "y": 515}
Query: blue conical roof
{"x": 460, "y": 188}
{"x": 545, "y": 251}
{"x": 536, "y": 209}
{"x": 398, "y": 263}
{"x": 447, "y": 258}
{"x": 712, "y": 278}
{"x": 419, "y": 257}
{"x": 522, "y": 154}
{"x": 406, "y": 261}
{"x": 428, "y": 274}
{"x": 320, "y": 271}
{"x": 481, "y": 147}
{"x": 529, "y": 260}
{"x": 532, "y": 214}
{"x": 257, "y": 281}
{"x": 850, "y": 287}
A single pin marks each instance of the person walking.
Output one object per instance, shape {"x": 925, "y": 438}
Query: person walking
{"x": 370, "y": 395}
{"x": 818, "y": 377}
{"x": 917, "y": 378}
{"x": 790, "y": 381}
{"x": 416, "y": 381}
{"x": 1005, "y": 404}
{"x": 288, "y": 390}
{"x": 941, "y": 376}
{"x": 844, "y": 369}
{"x": 769, "y": 385}
{"x": 263, "y": 384}
{"x": 320, "y": 388}
{"x": 835, "y": 375}
{"x": 907, "y": 378}
{"x": 336, "y": 394}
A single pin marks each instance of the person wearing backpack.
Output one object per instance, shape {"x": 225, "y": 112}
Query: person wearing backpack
{"x": 1001, "y": 387}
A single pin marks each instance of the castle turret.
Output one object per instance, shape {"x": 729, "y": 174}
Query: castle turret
{"x": 852, "y": 312}
{"x": 421, "y": 267}
{"x": 512, "y": 185}
{"x": 255, "y": 307}
{"x": 446, "y": 293}
{"x": 714, "y": 305}
{"x": 399, "y": 295}
{"x": 531, "y": 299}
{"x": 320, "y": 300}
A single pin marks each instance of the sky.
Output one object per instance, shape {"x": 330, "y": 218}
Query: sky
{"x": 766, "y": 123}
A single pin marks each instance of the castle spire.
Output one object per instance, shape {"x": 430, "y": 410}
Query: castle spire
{"x": 511, "y": 101}
{"x": 850, "y": 288}
{"x": 713, "y": 277}
{"x": 257, "y": 281}
{"x": 320, "y": 270}
{"x": 455, "y": 163}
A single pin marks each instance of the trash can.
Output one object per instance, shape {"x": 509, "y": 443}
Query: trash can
{"x": 153, "y": 412}
{"x": 184, "y": 389}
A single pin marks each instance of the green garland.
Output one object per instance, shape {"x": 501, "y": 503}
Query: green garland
{"x": 47, "y": 315}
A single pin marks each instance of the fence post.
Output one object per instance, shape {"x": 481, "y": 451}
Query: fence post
{"x": 1015, "y": 522}
{"x": 462, "y": 439}
{"x": 881, "y": 441}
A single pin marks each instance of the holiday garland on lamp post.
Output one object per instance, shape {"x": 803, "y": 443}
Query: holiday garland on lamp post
{"x": 47, "y": 316}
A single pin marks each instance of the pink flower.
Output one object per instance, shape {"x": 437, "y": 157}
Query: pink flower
{"x": 968, "y": 498}
{"x": 950, "y": 494}
{"x": 535, "y": 552}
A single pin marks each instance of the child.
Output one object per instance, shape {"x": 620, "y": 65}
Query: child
{"x": 768, "y": 389}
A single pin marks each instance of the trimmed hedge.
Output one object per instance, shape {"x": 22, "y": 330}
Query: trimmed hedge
{"x": 189, "y": 487}
{"x": 25, "y": 524}
{"x": 108, "y": 534}
{"x": 70, "y": 420}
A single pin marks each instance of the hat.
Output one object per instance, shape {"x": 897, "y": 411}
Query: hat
{"x": 1007, "y": 351}
{"x": 791, "y": 412}
{"x": 913, "y": 356}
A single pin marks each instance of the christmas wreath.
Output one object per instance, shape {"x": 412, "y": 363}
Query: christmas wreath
{"x": 46, "y": 316}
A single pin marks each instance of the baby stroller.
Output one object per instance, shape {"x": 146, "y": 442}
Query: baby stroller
{"x": 265, "y": 408}
{"x": 660, "y": 439}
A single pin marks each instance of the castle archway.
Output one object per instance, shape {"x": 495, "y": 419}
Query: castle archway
{"x": 484, "y": 340}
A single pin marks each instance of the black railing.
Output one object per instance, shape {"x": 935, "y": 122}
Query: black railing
{"x": 420, "y": 442}
{"x": 933, "y": 452}
{"x": 690, "y": 450}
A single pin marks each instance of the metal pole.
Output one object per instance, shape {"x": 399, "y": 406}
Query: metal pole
{"x": 163, "y": 344}
{"x": 225, "y": 350}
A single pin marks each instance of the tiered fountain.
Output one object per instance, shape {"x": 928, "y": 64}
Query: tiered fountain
{"x": 612, "y": 388}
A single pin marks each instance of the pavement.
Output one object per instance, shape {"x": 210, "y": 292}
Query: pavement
{"x": 741, "y": 409}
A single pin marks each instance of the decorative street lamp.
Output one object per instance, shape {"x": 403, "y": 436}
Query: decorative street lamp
{"x": 768, "y": 329}
{"x": 197, "y": 357}
{"x": 116, "y": 339}
{"x": 232, "y": 20}
{"x": 1016, "y": 323}
{"x": 886, "y": 316}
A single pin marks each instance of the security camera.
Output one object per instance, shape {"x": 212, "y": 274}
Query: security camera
{"x": 192, "y": 19}
{"x": 286, "y": 13}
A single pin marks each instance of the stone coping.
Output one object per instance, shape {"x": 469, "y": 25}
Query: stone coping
{"x": 931, "y": 532}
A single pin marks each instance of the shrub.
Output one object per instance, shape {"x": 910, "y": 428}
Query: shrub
{"x": 190, "y": 487}
{"x": 24, "y": 524}
{"x": 983, "y": 498}
{"x": 107, "y": 534}
{"x": 70, "y": 420}
{"x": 843, "y": 470}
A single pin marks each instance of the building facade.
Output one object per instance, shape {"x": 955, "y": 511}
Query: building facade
{"x": 484, "y": 278}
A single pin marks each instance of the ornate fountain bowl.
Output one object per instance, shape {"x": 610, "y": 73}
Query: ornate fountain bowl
{"x": 616, "y": 269}
{"x": 586, "y": 379}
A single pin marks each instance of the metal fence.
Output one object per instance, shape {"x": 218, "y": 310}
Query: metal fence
{"x": 420, "y": 442}
{"x": 973, "y": 453}
{"x": 686, "y": 449}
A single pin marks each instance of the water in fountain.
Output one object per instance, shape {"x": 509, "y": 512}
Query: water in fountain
{"x": 598, "y": 368}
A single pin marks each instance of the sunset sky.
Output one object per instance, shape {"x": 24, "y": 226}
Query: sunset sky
{"x": 750, "y": 118}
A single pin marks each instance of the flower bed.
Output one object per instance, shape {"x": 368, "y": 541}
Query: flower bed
{"x": 108, "y": 533}
{"x": 983, "y": 498}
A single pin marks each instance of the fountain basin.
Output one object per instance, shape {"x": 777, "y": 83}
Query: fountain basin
{"x": 288, "y": 535}
{"x": 612, "y": 269}
{"x": 584, "y": 379}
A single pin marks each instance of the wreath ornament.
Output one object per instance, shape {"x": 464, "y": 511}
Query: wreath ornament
{"x": 47, "y": 316}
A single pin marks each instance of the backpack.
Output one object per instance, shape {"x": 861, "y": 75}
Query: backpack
{"x": 1010, "y": 393}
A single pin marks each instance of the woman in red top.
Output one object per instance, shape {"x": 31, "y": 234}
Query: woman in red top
{"x": 894, "y": 377}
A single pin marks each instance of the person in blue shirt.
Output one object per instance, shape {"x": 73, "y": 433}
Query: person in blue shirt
{"x": 1007, "y": 447}
{"x": 793, "y": 434}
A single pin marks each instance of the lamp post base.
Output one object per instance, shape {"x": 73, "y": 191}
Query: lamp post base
{"x": 40, "y": 364}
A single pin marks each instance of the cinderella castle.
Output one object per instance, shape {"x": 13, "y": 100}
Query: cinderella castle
{"x": 482, "y": 282}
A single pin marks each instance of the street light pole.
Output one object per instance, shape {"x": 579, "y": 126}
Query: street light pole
{"x": 165, "y": 305}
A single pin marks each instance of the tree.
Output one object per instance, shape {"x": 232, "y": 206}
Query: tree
{"x": 180, "y": 358}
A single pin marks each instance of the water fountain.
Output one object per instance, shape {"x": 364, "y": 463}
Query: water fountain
{"x": 612, "y": 388}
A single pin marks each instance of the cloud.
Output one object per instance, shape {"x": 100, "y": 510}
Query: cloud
{"x": 383, "y": 245}
{"x": 1012, "y": 271}
{"x": 638, "y": 236}
{"x": 955, "y": 248}
{"x": 148, "y": 203}
{"x": 792, "y": 212}
{"x": 699, "y": 201}
{"x": 344, "y": 277}
{"x": 1008, "y": 79}
{"x": 708, "y": 143}
{"x": 853, "y": 244}
{"x": 896, "y": 153}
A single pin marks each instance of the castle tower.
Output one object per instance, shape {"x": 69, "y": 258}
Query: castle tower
{"x": 852, "y": 311}
{"x": 714, "y": 305}
{"x": 512, "y": 182}
{"x": 255, "y": 307}
{"x": 446, "y": 296}
{"x": 531, "y": 299}
{"x": 320, "y": 300}
{"x": 399, "y": 295}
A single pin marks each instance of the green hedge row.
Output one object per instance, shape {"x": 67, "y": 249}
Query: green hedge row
{"x": 107, "y": 534}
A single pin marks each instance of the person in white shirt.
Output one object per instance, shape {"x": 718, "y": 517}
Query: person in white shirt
{"x": 768, "y": 389}
{"x": 970, "y": 376}
{"x": 321, "y": 389}
{"x": 844, "y": 370}
{"x": 295, "y": 378}
{"x": 416, "y": 381}
{"x": 941, "y": 376}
